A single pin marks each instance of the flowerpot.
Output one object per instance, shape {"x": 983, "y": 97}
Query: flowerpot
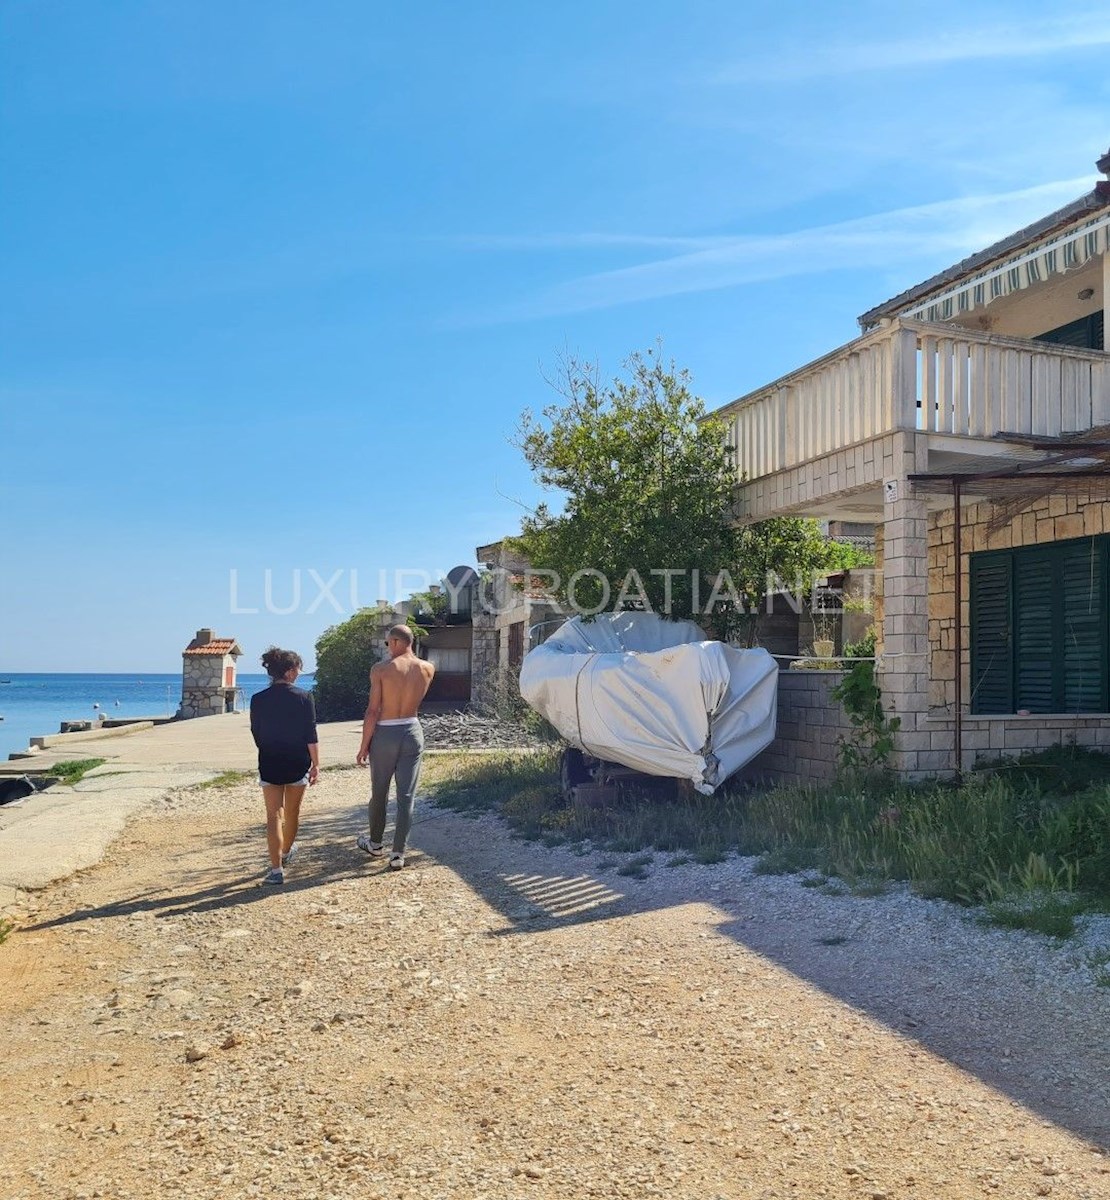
{"x": 824, "y": 647}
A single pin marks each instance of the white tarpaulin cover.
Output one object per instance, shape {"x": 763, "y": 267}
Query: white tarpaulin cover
{"x": 654, "y": 695}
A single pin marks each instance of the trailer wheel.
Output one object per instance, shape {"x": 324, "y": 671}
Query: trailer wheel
{"x": 572, "y": 772}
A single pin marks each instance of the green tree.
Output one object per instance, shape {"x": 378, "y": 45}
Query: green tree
{"x": 344, "y": 655}
{"x": 648, "y": 484}
{"x": 434, "y": 605}
{"x": 786, "y": 552}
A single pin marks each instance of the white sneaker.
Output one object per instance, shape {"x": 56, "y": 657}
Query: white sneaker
{"x": 396, "y": 861}
{"x": 374, "y": 849}
{"x": 287, "y": 856}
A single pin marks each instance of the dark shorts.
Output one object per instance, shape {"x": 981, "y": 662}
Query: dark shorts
{"x": 280, "y": 768}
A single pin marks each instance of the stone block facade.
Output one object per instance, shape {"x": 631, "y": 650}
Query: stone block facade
{"x": 988, "y": 738}
{"x": 809, "y": 726}
{"x": 508, "y": 619}
{"x": 1048, "y": 519}
{"x": 801, "y": 489}
{"x": 914, "y": 602}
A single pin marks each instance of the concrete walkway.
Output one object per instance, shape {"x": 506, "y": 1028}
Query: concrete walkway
{"x": 49, "y": 836}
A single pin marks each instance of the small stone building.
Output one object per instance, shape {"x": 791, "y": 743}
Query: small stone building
{"x": 510, "y": 617}
{"x": 208, "y": 676}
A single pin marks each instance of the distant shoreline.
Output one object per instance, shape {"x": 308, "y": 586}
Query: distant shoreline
{"x": 35, "y": 703}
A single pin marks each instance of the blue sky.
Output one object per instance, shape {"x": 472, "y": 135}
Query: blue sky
{"x": 279, "y": 278}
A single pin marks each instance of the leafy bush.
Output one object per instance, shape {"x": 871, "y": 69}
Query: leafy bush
{"x": 864, "y": 648}
{"x": 344, "y": 655}
{"x": 873, "y": 731}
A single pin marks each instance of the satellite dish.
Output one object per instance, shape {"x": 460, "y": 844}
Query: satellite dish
{"x": 461, "y": 581}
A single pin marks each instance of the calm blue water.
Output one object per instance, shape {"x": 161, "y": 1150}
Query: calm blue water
{"x": 32, "y": 705}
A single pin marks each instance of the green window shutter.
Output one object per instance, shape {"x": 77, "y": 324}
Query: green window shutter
{"x": 1083, "y": 603}
{"x": 1039, "y": 670}
{"x": 991, "y": 644}
{"x": 1085, "y": 334}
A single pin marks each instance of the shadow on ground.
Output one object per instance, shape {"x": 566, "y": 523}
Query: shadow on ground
{"x": 1014, "y": 1039}
{"x": 326, "y": 856}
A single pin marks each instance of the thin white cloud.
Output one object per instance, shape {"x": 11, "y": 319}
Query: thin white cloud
{"x": 575, "y": 241}
{"x": 1038, "y": 39}
{"x": 952, "y": 228}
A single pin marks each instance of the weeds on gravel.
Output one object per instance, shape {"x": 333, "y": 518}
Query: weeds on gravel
{"x": 635, "y": 867}
{"x": 523, "y": 789}
{"x": 6, "y": 928}
{"x": 1099, "y": 962}
{"x": 74, "y": 770}
{"x": 227, "y": 779}
{"x": 1030, "y": 840}
{"x": 1049, "y": 913}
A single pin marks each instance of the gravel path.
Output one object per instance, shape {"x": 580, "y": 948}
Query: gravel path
{"x": 503, "y": 1020}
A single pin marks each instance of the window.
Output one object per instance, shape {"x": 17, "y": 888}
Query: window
{"x": 449, "y": 662}
{"x": 1040, "y": 633}
{"x": 1086, "y": 333}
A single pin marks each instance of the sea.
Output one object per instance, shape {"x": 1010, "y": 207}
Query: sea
{"x": 33, "y": 705}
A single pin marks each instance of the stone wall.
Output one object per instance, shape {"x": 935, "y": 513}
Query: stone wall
{"x": 809, "y": 725}
{"x": 903, "y": 664}
{"x": 988, "y": 737}
{"x": 203, "y": 693}
{"x": 500, "y": 604}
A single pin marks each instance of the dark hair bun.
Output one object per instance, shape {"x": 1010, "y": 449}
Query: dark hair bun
{"x": 279, "y": 663}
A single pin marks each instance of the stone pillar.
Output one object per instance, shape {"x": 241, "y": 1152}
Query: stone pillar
{"x": 483, "y": 657}
{"x": 878, "y": 612}
{"x": 903, "y": 666}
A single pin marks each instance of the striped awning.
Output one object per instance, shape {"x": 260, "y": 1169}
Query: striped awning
{"x": 1053, "y": 256}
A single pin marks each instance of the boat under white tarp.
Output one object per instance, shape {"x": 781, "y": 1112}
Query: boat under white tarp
{"x": 654, "y": 695}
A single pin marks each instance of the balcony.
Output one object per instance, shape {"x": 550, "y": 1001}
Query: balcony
{"x": 958, "y": 386}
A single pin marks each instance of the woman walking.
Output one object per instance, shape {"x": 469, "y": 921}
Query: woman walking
{"x": 283, "y": 724}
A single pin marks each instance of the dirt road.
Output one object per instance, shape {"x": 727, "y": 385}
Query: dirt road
{"x": 505, "y": 1020}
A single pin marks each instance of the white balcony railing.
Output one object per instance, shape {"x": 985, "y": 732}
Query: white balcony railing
{"x": 912, "y": 375}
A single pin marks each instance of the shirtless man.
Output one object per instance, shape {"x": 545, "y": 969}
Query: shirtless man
{"x": 393, "y": 741}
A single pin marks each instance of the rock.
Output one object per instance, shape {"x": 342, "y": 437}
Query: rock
{"x": 196, "y": 1051}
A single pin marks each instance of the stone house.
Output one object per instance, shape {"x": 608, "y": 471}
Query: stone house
{"x": 510, "y": 617}
{"x": 969, "y": 423}
{"x": 208, "y": 676}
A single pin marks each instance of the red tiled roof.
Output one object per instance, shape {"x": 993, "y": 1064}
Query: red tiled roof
{"x": 217, "y": 646}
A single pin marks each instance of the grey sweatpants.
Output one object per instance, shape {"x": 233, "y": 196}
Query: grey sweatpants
{"x": 395, "y": 751}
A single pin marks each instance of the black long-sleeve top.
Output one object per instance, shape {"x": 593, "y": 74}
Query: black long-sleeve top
{"x": 283, "y": 725}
